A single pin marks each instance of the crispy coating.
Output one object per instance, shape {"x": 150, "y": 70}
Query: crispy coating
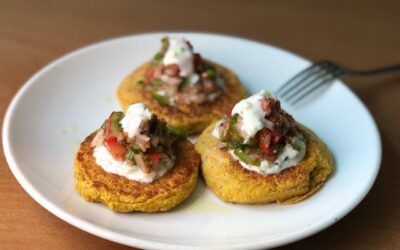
{"x": 233, "y": 183}
{"x": 123, "y": 195}
{"x": 192, "y": 118}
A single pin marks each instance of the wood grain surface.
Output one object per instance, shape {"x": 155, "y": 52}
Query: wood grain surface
{"x": 361, "y": 34}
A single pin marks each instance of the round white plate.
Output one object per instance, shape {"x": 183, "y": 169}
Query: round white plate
{"x": 71, "y": 97}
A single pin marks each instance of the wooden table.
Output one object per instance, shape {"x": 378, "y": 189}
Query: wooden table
{"x": 360, "y": 34}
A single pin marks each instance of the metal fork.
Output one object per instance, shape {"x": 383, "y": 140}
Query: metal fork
{"x": 319, "y": 74}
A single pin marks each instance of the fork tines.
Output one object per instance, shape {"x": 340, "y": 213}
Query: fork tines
{"x": 308, "y": 80}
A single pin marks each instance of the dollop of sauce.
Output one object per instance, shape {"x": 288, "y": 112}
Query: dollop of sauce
{"x": 252, "y": 115}
{"x": 179, "y": 52}
{"x": 135, "y": 115}
{"x": 253, "y": 120}
{"x": 107, "y": 162}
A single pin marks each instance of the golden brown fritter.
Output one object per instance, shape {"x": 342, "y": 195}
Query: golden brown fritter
{"x": 233, "y": 183}
{"x": 124, "y": 195}
{"x": 192, "y": 118}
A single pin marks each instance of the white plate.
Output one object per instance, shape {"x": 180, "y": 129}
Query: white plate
{"x": 69, "y": 98}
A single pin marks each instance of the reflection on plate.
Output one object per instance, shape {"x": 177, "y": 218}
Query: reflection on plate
{"x": 67, "y": 100}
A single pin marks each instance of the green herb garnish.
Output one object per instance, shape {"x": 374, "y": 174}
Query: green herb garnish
{"x": 236, "y": 144}
{"x": 160, "y": 98}
{"x": 234, "y": 134}
{"x": 248, "y": 159}
{"x": 115, "y": 119}
{"x": 158, "y": 57}
{"x": 252, "y": 141}
{"x": 211, "y": 74}
{"x": 185, "y": 82}
{"x": 130, "y": 156}
{"x": 176, "y": 132}
{"x": 165, "y": 44}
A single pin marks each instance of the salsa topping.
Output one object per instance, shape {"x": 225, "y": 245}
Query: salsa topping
{"x": 178, "y": 75}
{"x": 259, "y": 133}
{"x": 138, "y": 138}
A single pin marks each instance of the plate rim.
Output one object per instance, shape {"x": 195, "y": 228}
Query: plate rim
{"x": 137, "y": 242}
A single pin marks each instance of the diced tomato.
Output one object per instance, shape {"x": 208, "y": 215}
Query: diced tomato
{"x": 197, "y": 60}
{"x": 266, "y": 105}
{"x": 276, "y": 136}
{"x": 171, "y": 69}
{"x": 264, "y": 140}
{"x": 117, "y": 150}
{"x": 271, "y": 156}
{"x": 150, "y": 74}
{"x": 154, "y": 158}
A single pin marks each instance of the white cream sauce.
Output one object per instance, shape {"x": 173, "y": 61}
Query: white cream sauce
{"x": 106, "y": 161}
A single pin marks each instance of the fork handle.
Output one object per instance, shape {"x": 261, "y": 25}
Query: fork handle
{"x": 375, "y": 71}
